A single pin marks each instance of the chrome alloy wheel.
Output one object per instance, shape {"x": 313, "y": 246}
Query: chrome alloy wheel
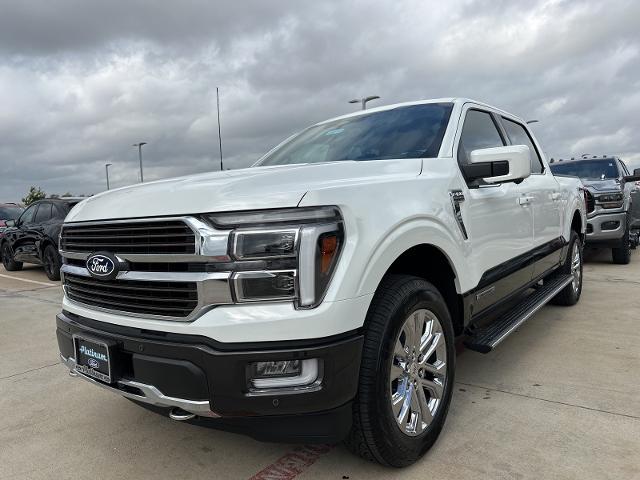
{"x": 418, "y": 372}
{"x": 576, "y": 271}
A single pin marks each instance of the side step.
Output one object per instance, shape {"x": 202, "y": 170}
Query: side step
{"x": 484, "y": 339}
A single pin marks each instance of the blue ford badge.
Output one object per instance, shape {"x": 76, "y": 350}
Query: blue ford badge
{"x": 102, "y": 265}
{"x": 93, "y": 363}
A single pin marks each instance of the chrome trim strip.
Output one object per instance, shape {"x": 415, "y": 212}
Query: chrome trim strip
{"x": 151, "y": 258}
{"x": 150, "y": 394}
{"x": 213, "y": 290}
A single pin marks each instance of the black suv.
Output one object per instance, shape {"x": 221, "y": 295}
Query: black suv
{"x": 33, "y": 237}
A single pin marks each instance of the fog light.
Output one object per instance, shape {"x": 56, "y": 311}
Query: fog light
{"x": 610, "y": 225}
{"x": 283, "y": 368}
{"x": 283, "y": 373}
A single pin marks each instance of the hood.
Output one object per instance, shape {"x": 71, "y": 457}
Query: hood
{"x": 232, "y": 190}
{"x": 607, "y": 185}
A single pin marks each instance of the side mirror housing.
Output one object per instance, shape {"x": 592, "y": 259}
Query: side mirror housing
{"x": 633, "y": 178}
{"x": 10, "y": 223}
{"x": 500, "y": 164}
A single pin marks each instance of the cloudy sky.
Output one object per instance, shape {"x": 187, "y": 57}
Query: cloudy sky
{"x": 82, "y": 80}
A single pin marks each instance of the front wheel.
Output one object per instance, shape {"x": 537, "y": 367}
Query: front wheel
{"x": 406, "y": 375}
{"x": 622, "y": 254}
{"x": 10, "y": 265}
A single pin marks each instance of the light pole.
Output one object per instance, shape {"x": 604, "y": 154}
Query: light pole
{"x": 106, "y": 168}
{"x": 364, "y": 100}
{"x": 139, "y": 145}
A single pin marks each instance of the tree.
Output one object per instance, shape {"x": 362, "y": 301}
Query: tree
{"x": 34, "y": 195}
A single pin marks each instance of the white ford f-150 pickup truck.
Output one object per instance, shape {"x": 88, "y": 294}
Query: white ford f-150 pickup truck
{"x": 318, "y": 295}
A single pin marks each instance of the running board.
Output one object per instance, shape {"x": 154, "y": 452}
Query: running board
{"x": 485, "y": 339}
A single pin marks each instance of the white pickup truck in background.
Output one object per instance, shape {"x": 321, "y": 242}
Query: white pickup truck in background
{"x": 317, "y": 295}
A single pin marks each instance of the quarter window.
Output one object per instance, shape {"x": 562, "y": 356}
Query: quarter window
{"x": 479, "y": 131}
{"x": 519, "y": 136}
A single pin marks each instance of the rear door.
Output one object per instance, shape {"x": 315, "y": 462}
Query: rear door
{"x": 542, "y": 192}
{"x": 501, "y": 230}
{"x": 38, "y": 228}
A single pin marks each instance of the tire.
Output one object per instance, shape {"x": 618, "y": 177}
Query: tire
{"x": 376, "y": 435}
{"x": 622, "y": 254}
{"x": 52, "y": 262}
{"x": 9, "y": 263}
{"x": 570, "y": 294}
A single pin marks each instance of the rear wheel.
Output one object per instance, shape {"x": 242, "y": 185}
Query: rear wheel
{"x": 570, "y": 294}
{"x": 7, "y": 259}
{"x": 52, "y": 263}
{"x": 406, "y": 375}
{"x": 622, "y": 254}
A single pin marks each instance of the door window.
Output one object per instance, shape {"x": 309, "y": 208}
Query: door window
{"x": 27, "y": 216}
{"x": 519, "y": 136}
{"x": 479, "y": 131}
{"x": 44, "y": 213}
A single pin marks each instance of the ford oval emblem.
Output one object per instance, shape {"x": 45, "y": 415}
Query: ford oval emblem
{"x": 93, "y": 363}
{"x": 102, "y": 265}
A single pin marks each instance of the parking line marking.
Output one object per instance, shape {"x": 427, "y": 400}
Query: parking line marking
{"x": 293, "y": 463}
{"x": 29, "y": 281}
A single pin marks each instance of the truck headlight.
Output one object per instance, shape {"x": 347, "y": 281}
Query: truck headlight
{"x": 298, "y": 247}
{"x": 610, "y": 200}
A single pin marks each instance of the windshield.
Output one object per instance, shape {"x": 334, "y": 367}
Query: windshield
{"x": 414, "y": 131}
{"x": 592, "y": 169}
{"x": 10, "y": 213}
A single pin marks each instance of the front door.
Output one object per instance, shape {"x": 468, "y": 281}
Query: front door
{"x": 498, "y": 223}
{"x": 21, "y": 239}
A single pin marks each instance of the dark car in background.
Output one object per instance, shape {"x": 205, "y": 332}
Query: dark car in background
{"x": 9, "y": 211}
{"x": 33, "y": 236}
{"x": 613, "y": 202}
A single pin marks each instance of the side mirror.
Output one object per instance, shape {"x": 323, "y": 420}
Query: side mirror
{"x": 633, "y": 178}
{"x": 10, "y": 223}
{"x": 500, "y": 164}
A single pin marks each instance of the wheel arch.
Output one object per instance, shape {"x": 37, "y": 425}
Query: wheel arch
{"x": 429, "y": 262}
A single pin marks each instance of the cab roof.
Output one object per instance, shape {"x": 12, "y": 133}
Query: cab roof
{"x": 454, "y": 100}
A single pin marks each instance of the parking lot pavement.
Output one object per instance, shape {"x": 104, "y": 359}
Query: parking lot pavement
{"x": 559, "y": 399}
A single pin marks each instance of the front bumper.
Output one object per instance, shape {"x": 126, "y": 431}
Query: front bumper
{"x": 599, "y": 227}
{"x": 209, "y": 379}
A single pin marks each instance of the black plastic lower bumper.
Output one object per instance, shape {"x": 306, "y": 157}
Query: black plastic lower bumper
{"x": 198, "y": 368}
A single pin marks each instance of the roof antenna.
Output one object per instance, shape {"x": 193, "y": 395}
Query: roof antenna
{"x": 219, "y": 133}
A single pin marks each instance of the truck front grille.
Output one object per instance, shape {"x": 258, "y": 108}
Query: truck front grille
{"x": 170, "y": 299}
{"x": 152, "y": 237}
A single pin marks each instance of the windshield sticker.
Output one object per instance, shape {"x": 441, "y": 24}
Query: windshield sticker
{"x": 335, "y": 131}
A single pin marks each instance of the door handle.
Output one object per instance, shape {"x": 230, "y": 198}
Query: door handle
{"x": 555, "y": 196}
{"x": 525, "y": 200}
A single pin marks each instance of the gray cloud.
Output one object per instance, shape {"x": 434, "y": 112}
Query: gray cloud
{"x": 81, "y": 81}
